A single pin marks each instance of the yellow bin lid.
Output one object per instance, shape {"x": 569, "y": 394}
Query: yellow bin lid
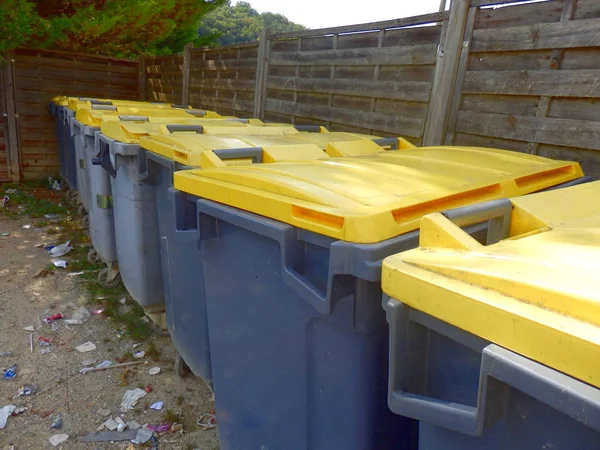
{"x": 94, "y": 116}
{"x": 74, "y": 103}
{"x": 372, "y": 198}
{"x": 535, "y": 293}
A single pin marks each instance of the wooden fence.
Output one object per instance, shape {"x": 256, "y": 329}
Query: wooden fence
{"x": 28, "y": 146}
{"x": 522, "y": 77}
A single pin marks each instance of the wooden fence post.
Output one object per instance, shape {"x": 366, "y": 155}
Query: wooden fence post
{"x": 442, "y": 91}
{"x": 142, "y": 78}
{"x": 12, "y": 132}
{"x": 185, "y": 84}
{"x": 262, "y": 72}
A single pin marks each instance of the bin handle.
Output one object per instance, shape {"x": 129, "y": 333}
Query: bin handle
{"x": 499, "y": 367}
{"x": 286, "y": 235}
{"x": 100, "y": 102}
{"x": 235, "y": 119}
{"x": 308, "y": 128}
{"x": 126, "y": 118}
{"x": 387, "y": 142}
{"x": 104, "y": 107}
{"x": 255, "y": 153}
{"x": 174, "y": 128}
{"x": 176, "y": 106}
{"x": 196, "y": 112}
{"x": 104, "y": 157}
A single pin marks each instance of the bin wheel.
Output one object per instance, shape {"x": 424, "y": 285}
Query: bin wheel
{"x": 105, "y": 282}
{"x": 81, "y": 210}
{"x": 93, "y": 257}
{"x": 181, "y": 367}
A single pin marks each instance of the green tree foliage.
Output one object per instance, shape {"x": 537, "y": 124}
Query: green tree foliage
{"x": 110, "y": 27}
{"x": 229, "y": 25}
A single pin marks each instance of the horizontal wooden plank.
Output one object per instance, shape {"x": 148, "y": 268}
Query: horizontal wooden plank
{"x": 551, "y": 83}
{"x": 53, "y": 85}
{"x": 410, "y": 55}
{"x": 396, "y": 23}
{"x": 357, "y": 104}
{"x": 517, "y": 15}
{"x": 501, "y": 104}
{"x": 520, "y": 60}
{"x": 587, "y": 9}
{"x": 220, "y": 83}
{"x": 226, "y": 47}
{"x": 588, "y": 159}
{"x": 60, "y": 54}
{"x": 398, "y": 90}
{"x": 409, "y": 126}
{"x": 497, "y": 2}
{"x": 24, "y": 62}
{"x": 575, "y": 108}
{"x": 225, "y": 64}
{"x": 474, "y": 140}
{"x": 406, "y": 73}
{"x": 404, "y": 108}
{"x": 214, "y": 102}
{"x": 412, "y": 36}
{"x": 543, "y": 130}
{"x": 572, "y": 34}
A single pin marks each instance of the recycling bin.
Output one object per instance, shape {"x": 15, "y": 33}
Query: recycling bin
{"x": 62, "y": 137}
{"x": 496, "y": 346}
{"x": 286, "y": 259}
{"x": 139, "y": 183}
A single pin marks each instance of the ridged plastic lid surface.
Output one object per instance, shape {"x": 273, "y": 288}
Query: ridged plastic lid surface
{"x": 94, "y": 117}
{"x": 536, "y": 293}
{"x": 372, "y": 198}
{"x": 74, "y": 103}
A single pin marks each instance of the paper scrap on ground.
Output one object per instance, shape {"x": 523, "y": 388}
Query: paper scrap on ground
{"x": 143, "y": 436}
{"x": 58, "y": 439}
{"x": 105, "y": 436}
{"x": 87, "y": 347}
{"x": 5, "y": 412}
{"x": 156, "y": 406}
{"x": 154, "y": 371}
{"x": 60, "y": 263}
{"x": 29, "y": 328}
{"x": 60, "y": 250}
{"x": 131, "y": 397}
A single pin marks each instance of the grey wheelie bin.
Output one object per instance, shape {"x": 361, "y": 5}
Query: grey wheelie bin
{"x": 496, "y": 346}
{"x": 286, "y": 261}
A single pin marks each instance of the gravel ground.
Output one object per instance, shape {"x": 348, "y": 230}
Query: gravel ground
{"x": 24, "y": 301}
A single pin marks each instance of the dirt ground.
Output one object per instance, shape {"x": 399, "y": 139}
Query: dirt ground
{"x": 24, "y": 301}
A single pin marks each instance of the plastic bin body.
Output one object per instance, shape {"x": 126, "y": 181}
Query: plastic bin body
{"x": 61, "y": 137}
{"x": 512, "y": 363}
{"x": 69, "y": 151}
{"x": 295, "y": 325}
{"x": 81, "y": 168}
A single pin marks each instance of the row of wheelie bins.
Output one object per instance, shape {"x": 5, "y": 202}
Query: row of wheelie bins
{"x": 347, "y": 291}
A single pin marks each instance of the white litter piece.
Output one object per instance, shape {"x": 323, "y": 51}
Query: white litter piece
{"x": 131, "y": 397}
{"x": 89, "y": 362}
{"x": 5, "y": 413}
{"x": 154, "y": 371}
{"x": 82, "y": 315}
{"x": 110, "y": 424}
{"x": 140, "y": 354}
{"x": 121, "y": 425}
{"x": 29, "y": 328}
{"x": 123, "y": 301}
{"x": 87, "y": 347}
{"x": 27, "y": 227}
{"x": 133, "y": 425}
{"x": 157, "y": 406}
{"x": 60, "y": 250}
{"x": 143, "y": 436}
{"x": 60, "y": 263}
{"x": 58, "y": 439}
{"x": 74, "y": 274}
{"x": 73, "y": 322}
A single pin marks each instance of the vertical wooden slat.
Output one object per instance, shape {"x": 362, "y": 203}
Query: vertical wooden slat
{"x": 142, "y": 78}
{"x": 185, "y": 85}
{"x": 15, "y": 169}
{"x": 443, "y": 90}
{"x": 262, "y": 72}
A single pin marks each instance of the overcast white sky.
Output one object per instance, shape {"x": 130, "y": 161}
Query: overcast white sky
{"x": 330, "y": 13}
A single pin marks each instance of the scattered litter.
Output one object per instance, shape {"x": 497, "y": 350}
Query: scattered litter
{"x": 45, "y": 413}
{"x": 154, "y": 371}
{"x": 140, "y": 354}
{"x": 143, "y": 435}
{"x": 176, "y": 427}
{"x": 121, "y": 425}
{"x": 105, "y": 436}
{"x": 4, "y": 354}
{"x": 154, "y": 442}
{"x": 20, "y": 410}
{"x": 109, "y": 366}
{"x": 27, "y": 227}
{"x": 9, "y": 372}
{"x": 54, "y": 317}
{"x": 60, "y": 263}
{"x": 157, "y": 406}
{"x": 159, "y": 428}
{"x": 110, "y": 424}
{"x": 5, "y": 201}
{"x": 54, "y": 184}
{"x": 123, "y": 301}
{"x": 27, "y": 390}
{"x": 207, "y": 421}
{"x": 57, "y": 423}
{"x": 4, "y": 234}
{"x": 148, "y": 389}
{"x": 45, "y": 351}
{"x": 130, "y": 447}
{"x": 5, "y": 412}
{"x": 58, "y": 439}
{"x": 131, "y": 397}
{"x": 81, "y": 315}
{"x": 73, "y": 322}
{"x": 44, "y": 342}
{"x": 74, "y": 274}
{"x": 29, "y": 328}
{"x": 31, "y": 342}
{"x": 60, "y": 250}
{"x": 89, "y": 362}
{"x": 11, "y": 191}
{"x": 133, "y": 425}
{"x": 104, "y": 412}
{"x": 87, "y": 347}
{"x": 97, "y": 312}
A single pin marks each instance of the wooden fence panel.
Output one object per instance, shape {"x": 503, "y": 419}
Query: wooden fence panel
{"x": 4, "y": 174}
{"x": 531, "y": 82}
{"x": 164, "y": 78}
{"x": 373, "y": 78}
{"x": 40, "y": 75}
{"x": 224, "y": 79}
